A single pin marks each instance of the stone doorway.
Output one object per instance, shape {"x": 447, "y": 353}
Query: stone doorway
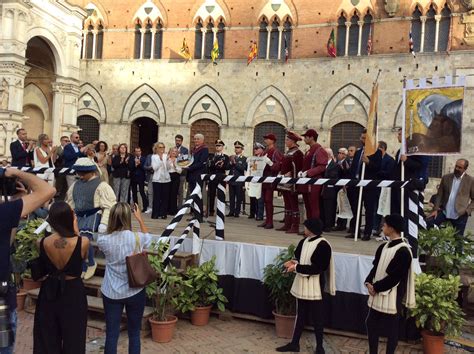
{"x": 144, "y": 133}
{"x": 89, "y": 128}
{"x": 209, "y": 129}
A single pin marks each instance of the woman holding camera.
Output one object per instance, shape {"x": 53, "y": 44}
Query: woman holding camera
{"x": 61, "y": 310}
{"x": 119, "y": 243}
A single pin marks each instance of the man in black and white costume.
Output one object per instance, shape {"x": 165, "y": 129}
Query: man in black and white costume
{"x": 390, "y": 283}
{"x": 314, "y": 267}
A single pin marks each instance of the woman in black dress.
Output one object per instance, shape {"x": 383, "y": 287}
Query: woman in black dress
{"x": 61, "y": 310}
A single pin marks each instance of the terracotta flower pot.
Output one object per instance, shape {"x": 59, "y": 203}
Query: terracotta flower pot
{"x": 20, "y": 300}
{"x": 30, "y": 284}
{"x": 200, "y": 316}
{"x": 432, "y": 343}
{"x": 284, "y": 325}
{"x": 162, "y": 331}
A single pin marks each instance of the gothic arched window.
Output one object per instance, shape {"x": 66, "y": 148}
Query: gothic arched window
{"x": 366, "y": 32}
{"x": 263, "y": 39}
{"x": 138, "y": 39}
{"x": 354, "y": 35}
{"x": 416, "y": 29}
{"x": 198, "y": 41}
{"x": 444, "y": 27}
{"x": 286, "y": 37}
{"x": 147, "y": 40}
{"x": 274, "y": 37}
{"x": 341, "y": 36}
{"x": 209, "y": 40}
{"x": 99, "y": 41}
{"x": 89, "y": 42}
{"x": 430, "y": 31}
{"x": 158, "y": 41}
{"x": 220, "y": 38}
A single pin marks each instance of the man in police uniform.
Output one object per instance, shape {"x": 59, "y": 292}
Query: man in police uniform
{"x": 217, "y": 165}
{"x": 238, "y": 166}
{"x": 290, "y": 167}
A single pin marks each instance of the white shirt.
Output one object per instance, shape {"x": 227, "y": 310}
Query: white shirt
{"x": 160, "y": 168}
{"x": 37, "y": 161}
{"x": 450, "y": 211}
{"x": 172, "y": 168}
{"x": 116, "y": 247}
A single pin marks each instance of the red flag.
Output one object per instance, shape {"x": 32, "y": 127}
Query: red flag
{"x": 253, "y": 52}
{"x": 331, "y": 45}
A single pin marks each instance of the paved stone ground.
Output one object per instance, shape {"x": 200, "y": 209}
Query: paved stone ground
{"x": 230, "y": 336}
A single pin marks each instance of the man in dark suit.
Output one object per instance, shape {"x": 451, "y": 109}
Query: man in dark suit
{"x": 455, "y": 200}
{"x": 183, "y": 153}
{"x": 138, "y": 177}
{"x": 238, "y": 166}
{"x": 200, "y": 156}
{"x": 71, "y": 153}
{"x": 218, "y": 164}
{"x": 372, "y": 167}
{"x": 329, "y": 193}
{"x": 22, "y": 150}
{"x": 60, "y": 181}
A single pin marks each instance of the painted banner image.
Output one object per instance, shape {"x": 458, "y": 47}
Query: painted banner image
{"x": 433, "y": 120}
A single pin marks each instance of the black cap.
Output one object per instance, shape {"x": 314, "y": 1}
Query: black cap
{"x": 314, "y": 225}
{"x": 219, "y": 142}
{"x": 396, "y": 222}
{"x": 238, "y": 144}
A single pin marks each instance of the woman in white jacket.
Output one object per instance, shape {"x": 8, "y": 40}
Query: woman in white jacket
{"x": 161, "y": 181}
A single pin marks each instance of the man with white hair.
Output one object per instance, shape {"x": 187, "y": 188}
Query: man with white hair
{"x": 329, "y": 193}
{"x": 200, "y": 155}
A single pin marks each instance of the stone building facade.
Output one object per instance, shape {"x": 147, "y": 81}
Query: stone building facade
{"x": 126, "y": 82}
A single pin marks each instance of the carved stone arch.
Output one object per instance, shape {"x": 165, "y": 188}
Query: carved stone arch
{"x": 347, "y": 7}
{"x": 158, "y": 12}
{"x": 270, "y": 91}
{"x": 286, "y": 9}
{"x": 349, "y": 90}
{"x": 102, "y": 11}
{"x": 422, "y": 4}
{"x": 96, "y": 14}
{"x": 221, "y": 11}
{"x": 34, "y": 96}
{"x": 144, "y": 101}
{"x": 53, "y": 43}
{"x": 397, "y": 119}
{"x": 94, "y": 106}
{"x": 217, "y": 112}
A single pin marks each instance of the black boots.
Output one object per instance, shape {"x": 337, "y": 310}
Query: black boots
{"x": 290, "y": 347}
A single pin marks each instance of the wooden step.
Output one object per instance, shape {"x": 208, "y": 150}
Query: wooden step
{"x": 95, "y": 304}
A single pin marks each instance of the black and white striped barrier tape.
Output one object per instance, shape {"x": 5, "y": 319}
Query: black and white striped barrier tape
{"x": 194, "y": 223}
{"x": 40, "y": 170}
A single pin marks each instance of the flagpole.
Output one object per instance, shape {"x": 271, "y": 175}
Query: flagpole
{"x": 402, "y": 174}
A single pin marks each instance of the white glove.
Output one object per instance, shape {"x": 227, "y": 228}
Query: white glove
{"x": 268, "y": 161}
{"x": 302, "y": 174}
{"x": 102, "y": 229}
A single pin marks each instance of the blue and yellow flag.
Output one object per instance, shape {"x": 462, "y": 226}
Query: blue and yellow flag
{"x": 215, "y": 52}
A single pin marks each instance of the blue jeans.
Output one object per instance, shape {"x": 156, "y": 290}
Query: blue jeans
{"x": 459, "y": 223}
{"x": 134, "y": 307}
{"x": 13, "y": 321}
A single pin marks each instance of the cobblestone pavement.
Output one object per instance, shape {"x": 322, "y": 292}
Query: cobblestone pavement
{"x": 230, "y": 336}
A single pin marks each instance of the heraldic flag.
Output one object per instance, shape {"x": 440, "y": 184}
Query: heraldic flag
{"x": 253, "y": 52}
{"x": 371, "y": 137}
{"x": 215, "y": 52}
{"x": 331, "y": 45}
{"x": 184, "y": 51}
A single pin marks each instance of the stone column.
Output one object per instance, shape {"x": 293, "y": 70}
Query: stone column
{"x": 153, "y": 35}
{"x": 280, "y": 36}
{"x": 269, "y": 31}
{"x": 142, "y": 42}
{"x": 84, "y": 44}
{"x": 437, "y": 19}
{"x": 203, "y": 44}
{"x": 65, "y": 94}
{"x": 348, "y": 27}
{"x": 214, "y": 34}
{"x": 359, "y": 45}
{"x": 422, "y": 37}
{"x": 94, "y": 43}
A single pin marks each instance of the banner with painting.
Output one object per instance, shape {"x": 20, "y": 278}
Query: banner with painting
{"x": 432, "y": 122}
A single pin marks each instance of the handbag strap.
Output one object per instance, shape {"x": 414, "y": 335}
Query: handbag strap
{"x": 137, "y": 243}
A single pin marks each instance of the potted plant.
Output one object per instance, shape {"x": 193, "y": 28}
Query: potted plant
{"x": 437, "y": 312}
{"x": 203, "y": 293}
{"x": 279, "y": 284}
{"x": 165, "y": 294}
{"x": 26, "y": 249}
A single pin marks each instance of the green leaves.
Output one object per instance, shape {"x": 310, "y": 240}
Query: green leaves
{"x": 436, "y": 307}
{"x": 279, "y": 282}
{"x": 26, "y": 244}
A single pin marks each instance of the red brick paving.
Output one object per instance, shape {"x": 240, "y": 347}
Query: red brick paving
{"x": 234, "y": 336}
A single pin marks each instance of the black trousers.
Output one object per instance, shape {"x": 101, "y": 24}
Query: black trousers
{"x": 161, "y": 194}
{"x": 212, "y": 188}
{"x": 328, "y": 208}
{"x": 382, "y": 325}
{"x": 368, "y": 200}
{"x": 313, "y": 308}
{"x": 174, "y": 188}
{"x": 141, "y": 188}
{"x": 236, "y": 198}
{"x": 191, "y": 186}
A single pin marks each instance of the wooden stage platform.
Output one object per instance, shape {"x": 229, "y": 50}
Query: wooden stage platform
{"x": 245, "y": 230}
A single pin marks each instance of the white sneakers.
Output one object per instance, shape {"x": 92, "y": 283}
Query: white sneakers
{"x": 90, "y": 271}
{"x": 148, "y": 211}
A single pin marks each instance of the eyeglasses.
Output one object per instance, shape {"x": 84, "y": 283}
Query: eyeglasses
{"x": 218, "y": 145}
{"x": 161, "y": 147}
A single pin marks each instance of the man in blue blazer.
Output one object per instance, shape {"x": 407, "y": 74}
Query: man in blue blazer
{"x": 71, "y": 153}
{"x": 372, "y": 168}
{"x": 200, "y": 156}
{"x": 22, "y": 150}
{"x": 138, "y": 177}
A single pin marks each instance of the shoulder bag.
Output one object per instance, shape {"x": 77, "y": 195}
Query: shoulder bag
{"x": 139, "y": 270}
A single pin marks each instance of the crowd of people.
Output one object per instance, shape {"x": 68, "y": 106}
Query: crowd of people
{"x": 103, "y": 194}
